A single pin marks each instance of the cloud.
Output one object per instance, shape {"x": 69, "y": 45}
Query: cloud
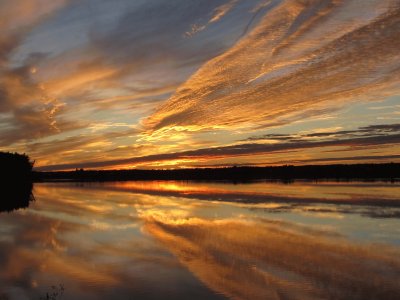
{"x": 66, "y": 66}
{"x": 345, "y": 140}
{"x": 140, "y": 55}
{"x": 159, "y": 42}
{"x": 218, "y": 13}
{"x": 365, "y": 131}
{"x": 31, "y": 111}
{"x": 301, "y": 57}
{"x": 347, "y": 159}
{"x": 84, "y": 146}
{"x": 17, "y": 18}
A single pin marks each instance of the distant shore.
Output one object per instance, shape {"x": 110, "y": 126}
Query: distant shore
{"x": 386, "y": 171}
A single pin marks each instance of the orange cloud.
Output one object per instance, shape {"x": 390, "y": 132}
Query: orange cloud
{"x": 302, "y": 58}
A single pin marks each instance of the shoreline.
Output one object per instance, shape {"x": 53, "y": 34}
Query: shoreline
{"x": 389, "y": 172}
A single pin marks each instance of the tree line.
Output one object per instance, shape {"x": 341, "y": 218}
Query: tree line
{"x": 386, "y": 171}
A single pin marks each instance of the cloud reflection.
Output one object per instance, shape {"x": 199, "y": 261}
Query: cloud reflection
{"x": 120, "y": 240}
{"x": 259, "y": 259}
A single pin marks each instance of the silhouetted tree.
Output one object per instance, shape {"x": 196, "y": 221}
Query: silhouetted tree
{"x": 16, "y": 181}
{"x": 15, "y": 166}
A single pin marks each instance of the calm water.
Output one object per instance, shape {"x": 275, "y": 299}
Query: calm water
{"x": 180, "y": 240}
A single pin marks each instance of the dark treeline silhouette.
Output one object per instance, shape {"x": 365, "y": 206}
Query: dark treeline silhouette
{"x": 16, "y": 181}
{"x": 15, "y": 167}
{"x": 389, "y": 171}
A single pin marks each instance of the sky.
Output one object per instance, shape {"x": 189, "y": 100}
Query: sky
{"x": 100, "y": 84}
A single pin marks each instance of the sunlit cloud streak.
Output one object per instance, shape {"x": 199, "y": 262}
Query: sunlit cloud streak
{"x": 138, "y": 54}
{"x": 302, "y": 56}
{"x": 244, "y": 149}
{"x": 371, "y": 130}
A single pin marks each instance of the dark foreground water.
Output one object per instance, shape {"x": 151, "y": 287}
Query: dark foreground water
{"x": 177, "y": 240}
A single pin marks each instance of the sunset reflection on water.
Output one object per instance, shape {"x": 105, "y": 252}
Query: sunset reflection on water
{"x": 180, "y": 240}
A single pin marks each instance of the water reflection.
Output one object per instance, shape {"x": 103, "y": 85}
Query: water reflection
{"x": 371, "y": 193}
{"x": 162, "y": 240}
{"x": 259, "y": 259}
{"x": 15, "y": 195}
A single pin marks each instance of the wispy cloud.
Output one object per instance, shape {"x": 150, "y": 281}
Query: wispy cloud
{"x": 113, "y": 68}
{"x": 365, "y": 138}
{"x": 216, "y": 15}
{"x": 71, "y": 71}
{"x": 301, "y": 57}
{"x": 32, "y": 111}
{"x": 365, "y": 131}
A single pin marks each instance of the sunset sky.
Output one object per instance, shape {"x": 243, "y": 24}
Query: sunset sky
{"x": 193, "y": 83}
